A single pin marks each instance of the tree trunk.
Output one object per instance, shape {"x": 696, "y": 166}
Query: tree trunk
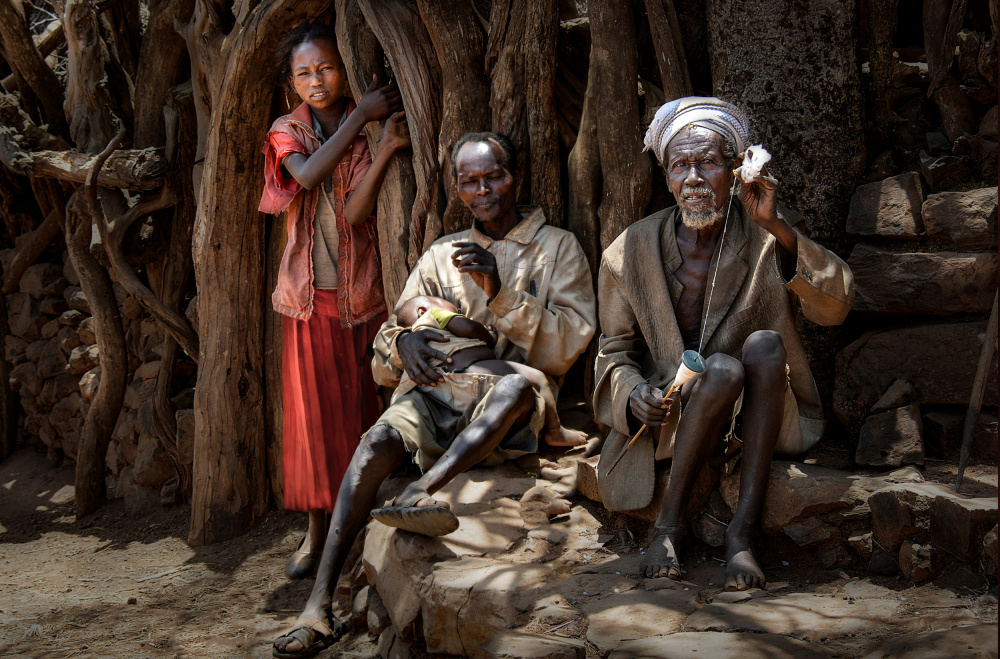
{"x": 584, "y": 169}
{"x": 668, "y": 45}
{"x": 458, "y": 42}
{"x": 229, "y": 492}
{"x": 107, "y": 404}
{"x": 22, "y": 55}
{"x": 9, "y": 403}
{"x": 363, "y": 57}
{"x": 624, "y": 166}
{"x": 940, "y": 27}
{"x": 881, "y": 28}
{"x": 92, "y": 111}
{"x": 162, "y": 64}
{"x": 542, "y": 28}
{"x": 397, "y": 25}
{"x": 505, "y": 66}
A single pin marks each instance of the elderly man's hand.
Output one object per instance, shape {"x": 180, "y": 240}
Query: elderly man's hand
{"x": 647, "y": 405}
{"x": 416, "y": 355}
{"x": 760, "y": 199}
{"x": 479, "y": 264}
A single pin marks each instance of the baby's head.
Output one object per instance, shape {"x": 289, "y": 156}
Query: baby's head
{"x": 417, "y": 306}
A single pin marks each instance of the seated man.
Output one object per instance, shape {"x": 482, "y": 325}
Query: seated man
{"x": 721, "y": 276}
{"x": 470, "y": 348}
{"x": 527, "y": 280}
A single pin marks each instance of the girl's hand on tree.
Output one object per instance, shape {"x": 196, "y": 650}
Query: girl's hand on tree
{"x": 380, "y": 102}
{"x": 396, "y": 134}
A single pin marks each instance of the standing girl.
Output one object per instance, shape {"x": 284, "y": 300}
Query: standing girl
{"x": 318, "y": 169}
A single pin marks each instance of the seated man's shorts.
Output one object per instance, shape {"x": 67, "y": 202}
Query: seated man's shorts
{"x": 429, "y": 418}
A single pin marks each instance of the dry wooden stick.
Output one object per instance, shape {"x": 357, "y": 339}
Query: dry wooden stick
{"x": 978, "y": 389}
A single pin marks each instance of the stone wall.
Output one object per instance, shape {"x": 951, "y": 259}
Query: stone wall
{"x": 55, "y": 372}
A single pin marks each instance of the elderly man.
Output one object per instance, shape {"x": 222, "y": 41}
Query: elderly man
{"x": 722, "y": 276}
{"x": 527, "y": 280}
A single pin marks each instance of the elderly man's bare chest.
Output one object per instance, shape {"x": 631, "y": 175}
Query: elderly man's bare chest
{"x": 693, "y": 275}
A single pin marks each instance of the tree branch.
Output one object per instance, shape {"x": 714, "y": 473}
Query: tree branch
{"x": 32, "y": 248}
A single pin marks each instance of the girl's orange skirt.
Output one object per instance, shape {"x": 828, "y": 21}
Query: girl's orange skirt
{"x": 329, "y": 400}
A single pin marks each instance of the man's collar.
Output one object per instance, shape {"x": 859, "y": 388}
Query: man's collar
{"x": 523, "y": 232}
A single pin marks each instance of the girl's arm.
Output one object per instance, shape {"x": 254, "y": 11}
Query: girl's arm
{"x": 395, "y": 136}
{"x": 310, "y": 171}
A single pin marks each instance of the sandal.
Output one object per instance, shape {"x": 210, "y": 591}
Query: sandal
{"x": 426, "y": 520}
{"x": 313, "y": 637}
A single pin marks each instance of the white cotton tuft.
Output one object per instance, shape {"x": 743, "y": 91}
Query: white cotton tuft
{"x": 754, "y": 160}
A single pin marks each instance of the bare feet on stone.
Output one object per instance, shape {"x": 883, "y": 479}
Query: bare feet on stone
{"x": 663, "y": 555}
{"x": 563, "y": 436}
{"x": 742, "y": 570}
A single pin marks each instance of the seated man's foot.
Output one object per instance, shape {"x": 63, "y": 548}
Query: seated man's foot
{"x": 310, "y": 634}
{"x": 663, "y": 556}
{"x": 742, "y": 570}
{"x": 414, "y": 510}
{"x": 563, "y": 436}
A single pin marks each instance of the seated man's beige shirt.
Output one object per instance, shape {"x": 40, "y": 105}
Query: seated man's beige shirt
{"x": 544, "y": 314}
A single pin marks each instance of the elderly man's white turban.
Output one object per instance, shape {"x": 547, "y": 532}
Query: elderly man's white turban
{"x": 705, "y": 111}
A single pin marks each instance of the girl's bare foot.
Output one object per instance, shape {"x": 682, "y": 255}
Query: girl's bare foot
{"x": 563, "y": 436}
{"x": 663, "y": 556}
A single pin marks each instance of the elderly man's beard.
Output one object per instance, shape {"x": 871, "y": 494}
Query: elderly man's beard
{"x": 701, "y": 219}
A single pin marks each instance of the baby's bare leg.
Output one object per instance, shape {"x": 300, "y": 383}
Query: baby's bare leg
{"x": 555, "y": 434}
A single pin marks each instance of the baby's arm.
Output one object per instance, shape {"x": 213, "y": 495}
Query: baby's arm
{"x": 466, "y": 328}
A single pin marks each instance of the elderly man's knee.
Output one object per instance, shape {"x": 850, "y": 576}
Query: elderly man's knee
{"x": 764, "y": 348}
{"x": 723, "y": 375}
{"x": 516, "y": 390}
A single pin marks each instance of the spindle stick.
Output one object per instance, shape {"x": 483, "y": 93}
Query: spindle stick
{"x": 978, "y": 389}
{"x": 692, "y": 364}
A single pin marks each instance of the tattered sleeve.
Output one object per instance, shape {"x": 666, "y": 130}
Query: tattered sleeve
{"x": 554, "y": 333}
{"x": 821, "y": 279}
{"x": 279, "y": 190}
{"x": 616, "y": 369}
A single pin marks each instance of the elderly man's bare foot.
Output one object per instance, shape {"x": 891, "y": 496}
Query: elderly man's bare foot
{"x": 563, "y": 436}
{"x": 663, "y": 555}
{"x": 742, "y": 570}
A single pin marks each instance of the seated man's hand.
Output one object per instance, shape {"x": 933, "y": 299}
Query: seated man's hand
{"x": 416, "y": 355}
{"x": 647, "y": 405}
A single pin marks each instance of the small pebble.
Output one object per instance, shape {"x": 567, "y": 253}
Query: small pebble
{"x": 133, "y": 600}
{"x": 618, "y": 574}
{"x": 617, "y": 591}
{"x": 785, "y": 563}
{"x": 710, "y": 583}
{"x": 585, "y": 593}
{"x": 687, "y": 589}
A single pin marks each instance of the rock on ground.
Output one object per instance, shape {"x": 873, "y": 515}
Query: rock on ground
{"x": 972, "y": 642}
{"x": 888, "y": 208}
{"x": 967, "y": 220}
{"x": 892, "y": 439}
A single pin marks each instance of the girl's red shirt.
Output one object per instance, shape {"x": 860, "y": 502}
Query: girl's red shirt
{"x": 359, "y": 268}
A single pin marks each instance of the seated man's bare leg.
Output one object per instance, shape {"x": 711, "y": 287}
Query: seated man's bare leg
{"x": 708, "y": 400}
{"x": 380, "y": 453}
{"x": 511, "y": 403}
{"x": 554, "y": 432}
{"x": 763, "y": 407}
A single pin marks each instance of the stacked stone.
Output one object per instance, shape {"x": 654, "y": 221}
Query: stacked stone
{"x": 142, "y": 470}
{"x": 56, "y": 371}
{"x": 48, "y": 347}
{"x": 926, "y": 274}
{"x": 926, "y": 271}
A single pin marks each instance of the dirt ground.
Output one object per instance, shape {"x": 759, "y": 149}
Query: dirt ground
{"x": 115, "y": 586}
